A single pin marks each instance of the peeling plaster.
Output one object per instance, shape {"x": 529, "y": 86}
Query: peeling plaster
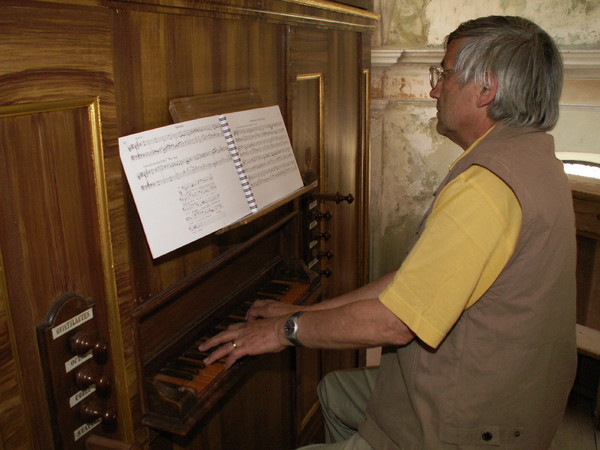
{"x": 402, "y": 22}
{"x": 412, "y": 161}
{"x": 423, "y": 23}
{"x": 569, "y": 22}
{"x": 408, "y": 157}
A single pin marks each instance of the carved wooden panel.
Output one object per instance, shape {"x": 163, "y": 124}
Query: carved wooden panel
{"x": 307, "y": 137}
{"x": 51, "y": 229}
{"x": 315, "y": 51}
{"x": 328, "y": 122}
{"x": 56, "y": 72}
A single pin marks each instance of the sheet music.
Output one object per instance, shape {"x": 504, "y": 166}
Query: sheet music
{"x": 183, "y": 181}
{"x": 266, "y": 153}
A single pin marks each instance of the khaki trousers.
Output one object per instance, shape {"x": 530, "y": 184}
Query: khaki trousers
{"x": 344, "y": 395}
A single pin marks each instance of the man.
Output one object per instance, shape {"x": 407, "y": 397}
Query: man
{"x": 479, "y": 321}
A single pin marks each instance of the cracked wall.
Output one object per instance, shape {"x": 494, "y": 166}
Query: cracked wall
{"x": 408, "y": 157}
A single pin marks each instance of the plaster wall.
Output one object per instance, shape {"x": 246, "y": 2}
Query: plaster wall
{"x": 408, "y": 157}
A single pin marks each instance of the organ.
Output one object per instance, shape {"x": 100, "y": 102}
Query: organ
{"x": 97, "y": 336}
{"x": 180, "y": 390}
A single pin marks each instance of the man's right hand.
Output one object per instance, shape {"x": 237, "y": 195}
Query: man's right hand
{"x": 264, "y": 309}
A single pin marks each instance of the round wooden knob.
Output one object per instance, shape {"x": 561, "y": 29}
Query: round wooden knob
{"x": 325, "y": 236}
{"x": 322, "y": 215}
{"x": 326, "y": 273}
{"x": 86, "y": 376}
{"x": 92, "y": 410}
{"x": 328, "y": 254}
{"x": 337, "y": 197}
{"x": 82, "y": 342}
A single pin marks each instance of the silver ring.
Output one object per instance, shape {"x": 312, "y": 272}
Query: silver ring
{"x": 233, "y": 344}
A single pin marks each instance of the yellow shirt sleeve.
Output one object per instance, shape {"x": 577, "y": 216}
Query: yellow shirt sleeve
{"x": 467, "y": 240}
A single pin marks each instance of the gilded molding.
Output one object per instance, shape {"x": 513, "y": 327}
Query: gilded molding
{"x": 110, "y": 285}
{"x": 336, "y": 7}
{"x": 366, "y": 169}
{"x": 319, "y": 77}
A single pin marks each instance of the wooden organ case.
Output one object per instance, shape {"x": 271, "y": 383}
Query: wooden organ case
{"x": 77, "y": 283}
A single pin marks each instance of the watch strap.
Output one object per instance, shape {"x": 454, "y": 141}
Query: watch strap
{"x": 293, "y": 337}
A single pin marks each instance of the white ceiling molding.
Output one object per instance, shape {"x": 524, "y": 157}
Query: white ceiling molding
{"x": 579, "y": 63}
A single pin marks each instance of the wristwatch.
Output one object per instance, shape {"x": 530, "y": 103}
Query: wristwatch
{"x": 290, "y": 328}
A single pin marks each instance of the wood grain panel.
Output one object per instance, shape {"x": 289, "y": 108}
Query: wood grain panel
{"x": 306, "y": 124}
{"x": 307, "y": 137}
{"x": 338, "y": 59}
{"x": 14, "y": 429}
{"x": 343, "y": 150}
{"x": 172, "y": 56}
{"x": 337, "y": 56}
{"x": 586, "y": 204}
{"x": 52, "y": 53}
{"x": 241, "y": 421}
{"x": 50, "y": 232}
{"x": 588, "y": 281}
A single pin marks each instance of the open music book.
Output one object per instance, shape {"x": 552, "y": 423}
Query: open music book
{"x": 192, "y": 178}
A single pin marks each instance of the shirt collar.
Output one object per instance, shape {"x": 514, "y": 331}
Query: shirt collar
{"x": 473, "y": 145}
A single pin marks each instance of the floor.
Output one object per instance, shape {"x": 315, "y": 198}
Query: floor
{"x": 577, "y": 431}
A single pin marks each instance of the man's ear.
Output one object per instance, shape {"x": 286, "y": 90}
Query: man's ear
{"x": 488, "y": 94}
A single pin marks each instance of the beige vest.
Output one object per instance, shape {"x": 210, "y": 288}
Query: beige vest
{"x": 502, "y": 375}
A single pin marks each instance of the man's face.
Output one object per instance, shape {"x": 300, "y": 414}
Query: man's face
{"x": 456, "y": 105}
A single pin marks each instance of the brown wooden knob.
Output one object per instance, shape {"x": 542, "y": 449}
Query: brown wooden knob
{"x": 325, "y": 236}
{"x": 325, "y": 273}
{"x": 86, "y": 376}
{"x": 92, "y": 410}
{"x": 322, "y": 215}
{"x": 337, "y": 197}
{"x": 100, "y": 351}
{"x": 82, "y": 342}
{"x": 328, "y": 254}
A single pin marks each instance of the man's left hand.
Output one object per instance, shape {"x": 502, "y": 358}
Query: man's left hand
{"x": 249, "y": 338}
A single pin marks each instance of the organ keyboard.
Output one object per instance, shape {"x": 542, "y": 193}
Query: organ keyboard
{"x": 179, "y": 389}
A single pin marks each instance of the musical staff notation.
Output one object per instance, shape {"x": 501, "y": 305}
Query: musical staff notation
{"x": 144, "y": 148}
{"x": 192, "y": 178}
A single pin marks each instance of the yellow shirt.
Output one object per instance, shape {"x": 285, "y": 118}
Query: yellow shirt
{"x": 467, "y": 240}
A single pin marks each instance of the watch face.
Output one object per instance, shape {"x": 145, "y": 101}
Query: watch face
{"x": 289, "y": 327}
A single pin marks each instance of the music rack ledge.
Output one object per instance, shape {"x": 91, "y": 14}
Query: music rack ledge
{"x": 271, "y": 207}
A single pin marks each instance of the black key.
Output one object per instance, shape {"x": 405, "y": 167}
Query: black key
{"x": 192, "y": 362}
{"x": 176, "y": 373}
{"x": 199, "y": 356}
{"x": 211, "y": 333}
{"x": 188, "y": 368}
{"x": 195, "y": 354}
{"x": 267, "y": 297}
{"x": 224, "y": 323}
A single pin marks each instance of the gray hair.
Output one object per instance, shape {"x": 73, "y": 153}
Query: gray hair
{"x": 525, "y": 61}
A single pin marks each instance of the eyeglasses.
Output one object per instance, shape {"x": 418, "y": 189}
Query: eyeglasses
{"x": 437, "y": 74}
